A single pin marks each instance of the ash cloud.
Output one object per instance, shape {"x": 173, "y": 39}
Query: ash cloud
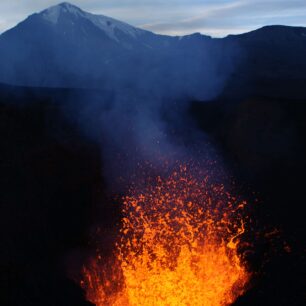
{"x": 147, "y": 122}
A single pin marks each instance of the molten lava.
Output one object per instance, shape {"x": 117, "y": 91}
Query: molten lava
{"x": 178, "y": 245}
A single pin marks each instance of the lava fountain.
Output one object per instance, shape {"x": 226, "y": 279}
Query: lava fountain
{"x": 178, "y": 244}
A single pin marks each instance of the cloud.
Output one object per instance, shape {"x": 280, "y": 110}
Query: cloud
{"x": 235, "y": 17}
{"x": 176, "y": 17}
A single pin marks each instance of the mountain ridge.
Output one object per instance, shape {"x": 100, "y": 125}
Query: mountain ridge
{"x": 71, "y": 8}
{"x": 64, "y": 46}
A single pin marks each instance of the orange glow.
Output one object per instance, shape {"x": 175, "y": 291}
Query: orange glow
{"x": 178, "y": 245}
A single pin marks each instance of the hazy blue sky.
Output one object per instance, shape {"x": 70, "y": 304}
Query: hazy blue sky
{"x": 175, "y": 17}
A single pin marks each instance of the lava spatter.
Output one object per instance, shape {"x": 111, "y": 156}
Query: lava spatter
{"x": 178, "y": 245}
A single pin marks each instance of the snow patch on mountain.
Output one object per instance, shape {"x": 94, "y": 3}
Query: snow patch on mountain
{"x": 108, "y": 25}
{"x": 52, "y": 14}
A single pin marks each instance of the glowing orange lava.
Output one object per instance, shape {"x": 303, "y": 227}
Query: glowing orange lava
{"x": 178, "y": 245}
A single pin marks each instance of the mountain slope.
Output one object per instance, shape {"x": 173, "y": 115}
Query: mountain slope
{"x": 272, "y": 62}
{"x": 57, "y": 47}
{"x": 115, "y": 29}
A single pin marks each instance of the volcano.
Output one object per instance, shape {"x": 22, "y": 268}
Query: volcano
{"x": 96, "y": 115}
{"x": 64, "y": 46}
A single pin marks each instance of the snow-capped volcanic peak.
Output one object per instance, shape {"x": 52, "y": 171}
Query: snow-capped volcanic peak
{"x": 108, "y": 25}
{"x": 53, "y": 13}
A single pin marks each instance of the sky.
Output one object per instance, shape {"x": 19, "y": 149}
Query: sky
{"x": 217, "y": 18}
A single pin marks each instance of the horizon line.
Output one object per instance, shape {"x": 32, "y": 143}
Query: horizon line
{"x": 173, "y": 33}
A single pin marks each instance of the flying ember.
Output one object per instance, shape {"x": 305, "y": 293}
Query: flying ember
{"x": 178, "y": 245}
